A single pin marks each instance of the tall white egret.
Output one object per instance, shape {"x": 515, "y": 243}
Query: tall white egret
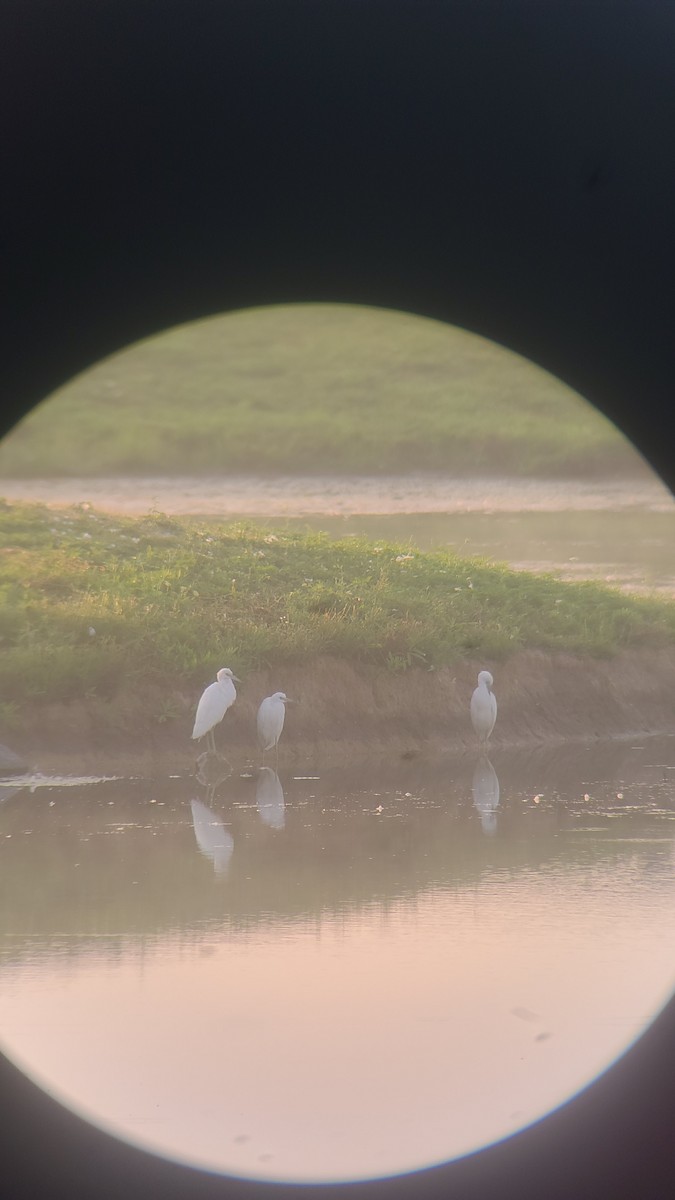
{"x": 214, "y": 840}
{"x": 271, "y": 716}
{"x": 484, "y": 707}
{"x": 269, "y": 798}
{"x": 214, "y": 703}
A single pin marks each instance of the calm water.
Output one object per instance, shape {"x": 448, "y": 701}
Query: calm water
{"x": 631, "y": 549}
{"x": 333, "y": 974}
{"x": 622, "y": 533}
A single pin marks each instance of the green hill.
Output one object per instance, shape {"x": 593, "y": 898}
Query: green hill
{"x": 315, "y": 388}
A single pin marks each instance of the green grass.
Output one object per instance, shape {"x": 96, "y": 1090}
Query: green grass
{"x": 171, "y": 601}
{"x": 315, "y": 388}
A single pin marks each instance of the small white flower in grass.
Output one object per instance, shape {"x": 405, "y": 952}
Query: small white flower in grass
{"x": 87, "y": 535}
{"x": 91, "y": 631}
{"x": 135, "y": 539}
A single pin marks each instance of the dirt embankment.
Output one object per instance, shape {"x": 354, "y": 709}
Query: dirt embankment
{"x": 347, "y": 713}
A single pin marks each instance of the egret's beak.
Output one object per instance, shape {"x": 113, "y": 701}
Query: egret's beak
{"x": 236, "y": 679}
{"x": 289, "y": 701}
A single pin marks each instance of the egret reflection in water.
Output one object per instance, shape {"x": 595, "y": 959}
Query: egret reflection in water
{"x": 212, "y": 770}
{"x": 214, "y": 840}
{"x": 485, "y": 787}
{"x": 269, "y": 798}
{"x": 376, "y": 868}
{"x": 6, "y": 792}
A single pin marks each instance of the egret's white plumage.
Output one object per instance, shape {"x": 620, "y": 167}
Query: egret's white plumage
{"x": 484, "y": 707}
{"x": 269, "y": 798}
{"x": 214, "y": 703}
{"x": 271, "y": 716}
{"x": 485, "y": 789}
{"x": 214, "y": 840}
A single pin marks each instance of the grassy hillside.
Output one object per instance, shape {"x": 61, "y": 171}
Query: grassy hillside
{"x": 308, "y": 388}
{"x": 171, "y": 601}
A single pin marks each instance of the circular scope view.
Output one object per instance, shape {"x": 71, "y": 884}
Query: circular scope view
{"x": 337, "y": 754}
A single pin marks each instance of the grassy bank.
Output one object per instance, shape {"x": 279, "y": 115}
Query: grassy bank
{"x": 314, "y": 388}
{"x": 94, "y": 609}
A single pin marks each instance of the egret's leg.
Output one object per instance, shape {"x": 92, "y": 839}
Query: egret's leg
{"x": 276, "y": 755}
{"x": 211, "y": 741}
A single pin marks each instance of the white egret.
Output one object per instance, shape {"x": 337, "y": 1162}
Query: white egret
{"x": 484, "y": 707}
{"x": 271, "y": 716}
{"x": 214, "y": 840}
{"x": 269, "y": 798}
{"x": 485, "y": 787}
{"x": 214, "y": 703}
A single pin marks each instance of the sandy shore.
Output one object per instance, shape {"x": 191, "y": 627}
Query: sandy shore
{"x": 358, "y": 495}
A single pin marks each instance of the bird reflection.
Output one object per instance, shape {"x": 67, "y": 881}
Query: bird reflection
{"x": 269, "y": 798}
{"x": 485, "y": 788}
{"x": 212, "y": 770}
{"x": 214, "y": 840}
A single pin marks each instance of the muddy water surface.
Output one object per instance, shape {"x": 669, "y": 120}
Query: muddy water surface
{"x": 620, "y": 532}
{"x": 326, "y": 974}
{"x": 296, "y": 495}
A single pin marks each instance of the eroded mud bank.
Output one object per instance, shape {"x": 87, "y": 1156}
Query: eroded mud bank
{"x": 345, "y": 712}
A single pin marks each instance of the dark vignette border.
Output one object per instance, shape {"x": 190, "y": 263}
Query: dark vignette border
{"x": 505, "y": 165}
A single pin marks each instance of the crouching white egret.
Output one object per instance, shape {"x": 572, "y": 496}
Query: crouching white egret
{"x": 484, "y": 707}
{"x": 271, "y": 716}
{"x": 214, "y": 703}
